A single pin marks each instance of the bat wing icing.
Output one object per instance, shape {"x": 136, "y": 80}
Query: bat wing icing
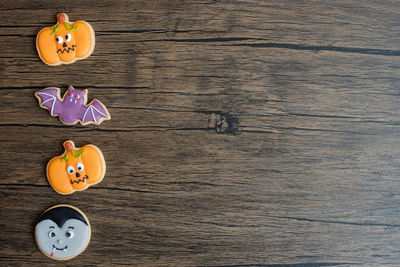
{"x": 49, "y": 98}
{"x": 96, "y": 112}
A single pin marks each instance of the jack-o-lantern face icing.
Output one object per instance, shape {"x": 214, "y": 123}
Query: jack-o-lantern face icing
{"x": 62, "y": 232}
{"x": 76, "y": 169}
{"x": 65, "y": 42}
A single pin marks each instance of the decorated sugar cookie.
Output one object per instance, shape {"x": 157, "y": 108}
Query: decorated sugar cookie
{"x": 72, "y": 107}
{"x": 62, "y": 232}
{"x": 76, "y": 169}
{"x": 65, "y": 42}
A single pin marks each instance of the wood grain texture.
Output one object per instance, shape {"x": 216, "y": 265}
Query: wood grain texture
{"x": 243, "y": 133}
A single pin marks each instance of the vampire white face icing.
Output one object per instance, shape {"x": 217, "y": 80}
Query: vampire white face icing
{"x": 63, "y": 242}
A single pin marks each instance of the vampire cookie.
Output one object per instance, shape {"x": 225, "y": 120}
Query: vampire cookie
{"x": 62, "y": 232}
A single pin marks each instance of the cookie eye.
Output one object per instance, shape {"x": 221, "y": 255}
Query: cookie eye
{"x": 70, "y": 170}
{"x": 52, "y": 234}
{"x": 69, "y": 234}
{"x": 80, "y": 166}
{"x": 77, "y": 96}
{"x": 59, "y": 39}
{"x": 68, "y": 37}
{"x": 71, "y": 95}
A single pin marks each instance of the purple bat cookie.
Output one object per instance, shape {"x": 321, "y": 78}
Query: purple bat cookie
{"x": 72, "y": 107}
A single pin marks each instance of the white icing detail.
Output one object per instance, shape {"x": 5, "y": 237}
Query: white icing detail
{"x": 59, "y": 39}
{"x": 75, "y": 101}
{"x": 51, "y": 232}
{"x": 91, "y": 107}
{"x": 70, "y": 169}
{"x": 84, "y": 115}
{"x": 70, "y": 100}
{"x": 68, "y": 37}
{"x": 46, "y": 101}
{"x": 51, "y": 98}
{"x": 93, "y": 116}
{"x": 80, "y": 166}
{"x": 70, "y": 234}
{"x": 99, "y": 111}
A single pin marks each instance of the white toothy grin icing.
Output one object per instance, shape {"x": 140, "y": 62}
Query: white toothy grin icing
{"x": 64, "y": 248}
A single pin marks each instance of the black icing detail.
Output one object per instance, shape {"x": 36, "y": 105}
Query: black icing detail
{"x": 66, "y": 49}
{"x": 60, "y": 215}
{"x": 60, "y": 248}
{"x": 79, "y": 180}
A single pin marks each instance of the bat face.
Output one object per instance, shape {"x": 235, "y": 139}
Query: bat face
{"x": 73, "y": 105}
{"x": 74, "y": 98}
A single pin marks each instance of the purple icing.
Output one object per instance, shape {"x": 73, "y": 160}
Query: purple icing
{"x": 72, "y": 108}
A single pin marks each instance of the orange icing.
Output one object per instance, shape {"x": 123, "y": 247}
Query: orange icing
{"x": 76, "y": 169}
{"x": 65, "y": 42}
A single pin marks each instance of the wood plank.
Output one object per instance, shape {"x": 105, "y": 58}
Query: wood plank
{"x": 243, "y": 133}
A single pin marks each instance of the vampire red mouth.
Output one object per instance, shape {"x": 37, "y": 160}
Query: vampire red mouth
{"x": 66, "y": 49}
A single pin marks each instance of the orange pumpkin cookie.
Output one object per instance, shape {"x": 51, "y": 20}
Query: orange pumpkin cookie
{"x": 76, "y": 169}
{"x": 65, "y": 42}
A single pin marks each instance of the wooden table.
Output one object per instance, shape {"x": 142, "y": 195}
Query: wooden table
{"x": 243, "y": 133}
